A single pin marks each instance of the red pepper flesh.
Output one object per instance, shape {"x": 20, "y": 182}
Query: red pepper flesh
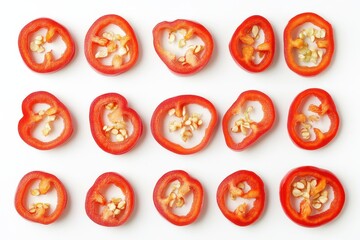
{"x": 31, "y": 120}
{"x": 254, "y": 129}
{"x": 165, "y": 203}
{"x": 114, "y": 212}
{"x": 119, "y": 115}
{"x": 234, "y": 186}
{"x": 243, "y": 48}
{"x": 178, "y": 105}
{"x": 298, "y": 123}
{"x": 293, "y": 46}
{"x": 317, "y": 183}
{"x": 100, "y": 44}
{"x": 196, "y": 56}
{"x": 40, "y": 212}
{"x": 28, "y": 46}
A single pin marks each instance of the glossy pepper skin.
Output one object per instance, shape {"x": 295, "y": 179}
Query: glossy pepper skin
{"x": 195, "y": 59}
{"x": 258, "y": 129}
{"x": 291, "y": 44}
{"x": 308, "y": 216}
{"x": 54, "y": 30}
{"x": 31, "y": 119}
{"x": 242, "y": 44}
{"x": 297, "y": 118}
{"x": 47, "y": 182}
{"x": 165, "y": 203}
{"x": 105, "y": 212}
{"x": 96, "y": 39}
{"x": 120, "y": 114}
{"x": 234, "y": 186}
{"x": 177, "y": 104}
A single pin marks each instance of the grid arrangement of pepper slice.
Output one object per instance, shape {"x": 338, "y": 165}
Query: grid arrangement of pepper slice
{"x": 40, "y": 212}
{"x": 313, "y": 187}
{"x": 245, "y": 48}
{"x": 31, "y": 42}
{"x": 196, "y": 56}
{"x": 311, "y": 51}
{"x": 300, "y": 124}
{"x": 113, "y": 212}
{"x": 235, "y": 186}
{"x": 244, "y": 125}
{"x": 187, "y": 124}
{"x": 101, "y": 44}
{"x": 116, "y": 136}
{"x": 181, "y": 185}
{"x": 31, "y": 119}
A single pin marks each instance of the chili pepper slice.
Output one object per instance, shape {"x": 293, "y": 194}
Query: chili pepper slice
{"x": 311, "y": 196}
{"x": 246, "y": 47}
{"x": 177, "y": 115}
{"x": 40, "y": 212}
{"x": 110, "y": 212}
{"x": 237, "y": 120}
{"x": 236, "y": 186}
{"x": 32, "y": 43}
{"x": 311, "y": 51}
{"x": 101, "y": 44}
{"x": 301, "y": 123}
{"x": 183, "y": 34}
{"x": 120, "y": 131}
{"x": 32, "y": 119}
{"x": 181, "y": 185}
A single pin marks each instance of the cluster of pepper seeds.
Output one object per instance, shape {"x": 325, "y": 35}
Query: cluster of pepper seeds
{"x": 314, "y": 193}
{"x": 191, "y": 54}
{"x": 187, "y": 125}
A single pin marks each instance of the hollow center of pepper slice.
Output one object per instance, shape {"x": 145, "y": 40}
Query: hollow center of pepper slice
{"x": 310, "y": 44}
{"x": 112, "y": 46}
{"x": 312, "y": 196}
{"x": 42, "y": 45}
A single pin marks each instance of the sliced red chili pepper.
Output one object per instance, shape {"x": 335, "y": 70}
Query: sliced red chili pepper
{"x": 311, "y": 196}
{"x": 236, "y": 186}
{"x": 300, "y": 122}
{"x": 32, "y": 119}
{"x": 183, "y": 33}
{"x": 246, "y": 46}
{"x": 175, "y": 113}
{"x": 40, "y": 212}
{"x": 119, "y": 132}
{"x": 120, "y": 50}
{"x": 113, "y": 212}
{"x": 308, "y": 52}
{"x": 237, "y": 120}
{"x": 31, "y": 42}
{"x": 181, "y": 185}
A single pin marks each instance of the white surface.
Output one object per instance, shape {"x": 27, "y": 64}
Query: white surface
{"x": 81, "y": 161}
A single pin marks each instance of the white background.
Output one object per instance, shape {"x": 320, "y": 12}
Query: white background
{"x": 81, "y": 161}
